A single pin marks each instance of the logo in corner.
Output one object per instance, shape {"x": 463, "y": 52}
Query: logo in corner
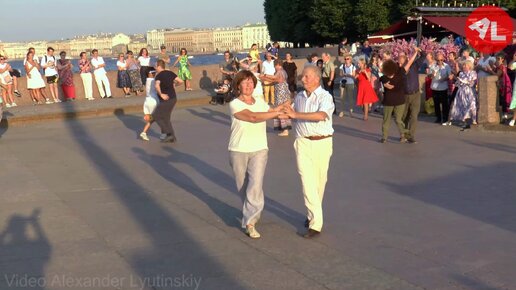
{"x": 489, "y": 29}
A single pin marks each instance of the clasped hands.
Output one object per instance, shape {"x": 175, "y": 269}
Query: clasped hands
{"x": 286, "y": 111}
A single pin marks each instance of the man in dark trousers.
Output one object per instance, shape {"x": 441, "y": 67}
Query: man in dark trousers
{"x": 165, "y": 81}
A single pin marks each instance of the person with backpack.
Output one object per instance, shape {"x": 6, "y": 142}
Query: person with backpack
{"x": 48, "y": 64}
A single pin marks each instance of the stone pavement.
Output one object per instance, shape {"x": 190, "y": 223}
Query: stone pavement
{"x": 84, "y": 204}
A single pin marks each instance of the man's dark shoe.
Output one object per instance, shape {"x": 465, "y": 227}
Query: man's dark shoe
{"x": 307, "y": 223}
{"x": 382, "y": 140}
{"x": 169, "y": 139}
{"x": 411, "y": 141}
{"x": 311, "y": 234}
{"x": 438, "y": 121}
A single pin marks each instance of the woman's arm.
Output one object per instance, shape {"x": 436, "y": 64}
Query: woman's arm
{"x": 256, "y": 117}
{"x": 27, "y": 70}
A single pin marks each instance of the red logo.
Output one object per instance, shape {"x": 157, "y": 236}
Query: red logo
{"x": 489, "y": 29}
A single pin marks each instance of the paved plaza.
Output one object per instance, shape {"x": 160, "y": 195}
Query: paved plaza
{"x": 84, "y": 204}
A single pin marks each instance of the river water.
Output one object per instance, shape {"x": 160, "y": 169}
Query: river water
{"x": 197, "y": 60}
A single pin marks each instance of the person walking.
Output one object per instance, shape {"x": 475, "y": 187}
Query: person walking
{"x": 312, "y": 111}
{"x": 100, "y": 74}
{"x": 184, "y": 71}
{"x": 164, "y": 83}
{"x": 87, "y": 79}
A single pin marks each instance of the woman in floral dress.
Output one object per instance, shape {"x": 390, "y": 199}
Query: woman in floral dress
{"x": 465, "y": 104}
{"x": 64, "y": 68}
{"x": 282, "y": 95}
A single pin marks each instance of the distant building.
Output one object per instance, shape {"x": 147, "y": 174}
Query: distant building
{"x": 255, "y": 33}
{"x": 18, "y": 50}
{"x": 179, "y": 38}
{"x": 227, "y": 39}
{"x": 203, "y": 41}
{"x": 156, "y": 38}
{"x": 104, "y": 43}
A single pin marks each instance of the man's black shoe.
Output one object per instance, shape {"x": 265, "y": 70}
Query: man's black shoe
{"x": 307, "y": 223}
{"x": 169, "y": 139}
{"x": 311, "y": 233}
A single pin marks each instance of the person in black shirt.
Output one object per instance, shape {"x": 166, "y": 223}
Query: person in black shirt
{"x": 165, "y": 81}
{"x": 394, "y": 82}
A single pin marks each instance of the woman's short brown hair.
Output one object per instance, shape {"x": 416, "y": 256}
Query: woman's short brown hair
{"x": 390, "y": 67}
{"x": 239, "y": 78}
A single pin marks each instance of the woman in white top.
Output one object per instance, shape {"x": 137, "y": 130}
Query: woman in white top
{"x": 35, "y": 81}
{"x": 248, "y": 148}
{"x": 6, "y": 83}
{"x": 123, "y": 81}
{"x": 144, "y": 60}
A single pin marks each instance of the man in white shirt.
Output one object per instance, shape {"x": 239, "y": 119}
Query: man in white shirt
{"x": 313, "y": 109}
{"x": 268, "y": 70}
{"x": 100, "y": 74}
{"x": 48, "y": 63}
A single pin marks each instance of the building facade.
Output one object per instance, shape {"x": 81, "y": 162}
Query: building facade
{"x": 255, "y": 33}
{"x": 179, "y": 38}
{"x": 203, "y": 41}
{"x": 227, "y": 39}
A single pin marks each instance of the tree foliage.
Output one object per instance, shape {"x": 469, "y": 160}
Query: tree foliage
{"x": 370, "y": 16}
{"x": 326, "y": 21}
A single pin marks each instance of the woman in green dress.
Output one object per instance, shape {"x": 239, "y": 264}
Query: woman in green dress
{"x": 184, "y": 71}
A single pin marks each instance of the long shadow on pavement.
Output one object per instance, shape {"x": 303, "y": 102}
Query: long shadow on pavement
{"x": 483, "y": 193}
{"x": 25, "y": 256}
{"x": 159, "y": 259}
{"x": 210, "y": 172}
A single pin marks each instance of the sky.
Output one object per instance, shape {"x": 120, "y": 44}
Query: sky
{"x": 60, "y": 19}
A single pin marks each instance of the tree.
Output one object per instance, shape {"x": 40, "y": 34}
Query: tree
{"x": 331, "y": 18}
{"x": 371, "y": 16}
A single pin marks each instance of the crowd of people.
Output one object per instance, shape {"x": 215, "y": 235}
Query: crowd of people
{"x": 54, "y": 72}
{"x": 364, "y": 81}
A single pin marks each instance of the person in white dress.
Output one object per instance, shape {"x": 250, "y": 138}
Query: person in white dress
{"x": 35, "y": 81}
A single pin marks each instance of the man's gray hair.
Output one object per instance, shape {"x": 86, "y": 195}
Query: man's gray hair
{"x": 315, "y": 70}
{"x": 326, "y": 54}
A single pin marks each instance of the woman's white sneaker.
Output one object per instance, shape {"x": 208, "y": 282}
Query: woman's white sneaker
{"x": 144, "y": 136}
{"x": 252, "y": 232}
{"x": 511, "y": 123}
